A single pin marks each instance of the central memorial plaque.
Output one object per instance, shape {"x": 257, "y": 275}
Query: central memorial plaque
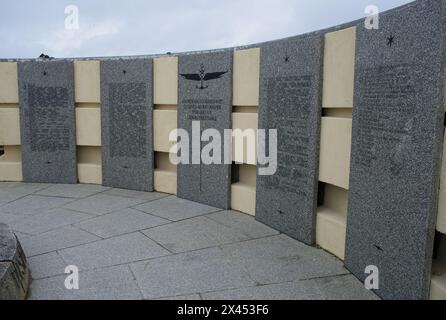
{"x": 47, "y": 121}
{"x": 396, "y": 149}
{"x": 290, "y": 102}
{"x": 127, "y": 107}
{"x": 205, "y": 96}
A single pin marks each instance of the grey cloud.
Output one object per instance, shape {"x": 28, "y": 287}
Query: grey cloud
{"x": 134, "y": 27}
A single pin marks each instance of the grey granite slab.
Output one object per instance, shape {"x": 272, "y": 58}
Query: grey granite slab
{"x": 193, "y": 234}
{"x": 47, "y": 121}
{"x": 46, "y": 265}
{"x": 72, "y": 190}
{"x": 242, "y": 223}
{"x": 47, "y": 221}
{"x": 280, "y": 259}
{"x": 114, "y": 251}
{"x": 175, "y": 209}
{"x": 397, "y": 138}
{"x": 345, "y": 287}
{"x": 149, "y": 196}
{"x": 10, "y": 191}
{"x": 114, "y": 283}
{"x": 100, "y": 204}
{"x": 290, "y": 102}
{"x": 126, "y": 112}
{"x": 296, "y": 290}
{"x": 188, "y": 273}
{"x": 205, "y": 96}
{"x": 33, "y": 204}
{"x": 121, "y": 222}
{"x": 194, "y": 296}
{"x": 56, "y": 240}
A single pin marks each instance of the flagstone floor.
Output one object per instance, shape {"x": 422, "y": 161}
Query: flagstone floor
{"x": 136, "y": 245}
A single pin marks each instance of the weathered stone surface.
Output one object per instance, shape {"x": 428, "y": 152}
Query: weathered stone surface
{"x": 290, "y": 101}
{"x": 208, "y": 100}
{"x": 47, "y": 121}
{"x": 127, "y": 105}
{"x": 397, "y": 139}
{"x": 175, "y": 209}
{"x": 14, "y": 273}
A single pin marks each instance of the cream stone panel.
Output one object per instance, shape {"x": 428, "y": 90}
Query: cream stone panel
{"x": 164, "y": 121}
{"x": 165, "y": 176}
{"x": 438, "y": 287}
{"x": 331, "y": 231}
{"x": 331, "y": 224}
{"x": 243, "y": 193}
{"x": 245, "y": 121}
{"x": 246, "y": 77}
{"x": 87, "y": 81}
{"x": 165, "y": 80}
{"x": 89, "y": 173}
{"x": 441, "y": 217}
{"x": 438, "y": 280}
{"x": 243, "y": 198}
{"x": 9, "y": 126}
{"x": 89, "y": 165}
{"x": 11, "y": 164}
{"x": 88, "y": 126}
{"x": 339, "y": 68}
{"x": 9, "y": 86}
{"x": 335, "y": 150}
{"x": 165, "y": 181}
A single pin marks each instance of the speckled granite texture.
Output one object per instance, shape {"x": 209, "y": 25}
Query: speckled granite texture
{"x": 14, "y": 272}
{"x": 210, "y": 102}
{"x": 47, "y": 121}
{"x": 127, "y": 134}
{"x": 290, "y": 101}
{"x": 398, "y": 125}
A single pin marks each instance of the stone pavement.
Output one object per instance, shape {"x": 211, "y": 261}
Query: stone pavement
{"x": 135, "y": 245}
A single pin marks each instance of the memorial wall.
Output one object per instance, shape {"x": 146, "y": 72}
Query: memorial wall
{"x": 359, "y": 114}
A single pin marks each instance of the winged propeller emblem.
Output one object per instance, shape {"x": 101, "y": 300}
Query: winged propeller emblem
{"x": 202, "y": 76}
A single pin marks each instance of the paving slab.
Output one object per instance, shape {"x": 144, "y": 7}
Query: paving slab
{"x": 344, "y": 287}
{"x": 191, "y": 297}
{"x": 102, "y": 204}
{"x": 188, "y": 273}
{"x": 10, "y": 218}
{"x": 149, "y": 196}
{"x": 72, "y": 190}
{"x": 47, "y": 221}
{"x": 118, "y": 250}
{"x": 34, "y": 204}
{"x": 243, "y": 223}
{"x": 115, "y": 283}
{"x": 10, "y": 191}
{"x": 121, "y": 222}
{"x": 296, "y": 290}
{"x": 280, "y": 259}
{"x": 193, "y": 234}
{"x": 175, "y": 209}
{"x": 46, "y": 265}
{"x": 55, "y": 240}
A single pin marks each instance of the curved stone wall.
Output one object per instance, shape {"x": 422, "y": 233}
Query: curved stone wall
{"x": 14, "y": 272}
{"x": 359, "y": 115}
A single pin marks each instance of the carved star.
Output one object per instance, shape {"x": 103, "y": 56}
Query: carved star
{"x": 286, "y": 59}
{"x": 390, "y": 40}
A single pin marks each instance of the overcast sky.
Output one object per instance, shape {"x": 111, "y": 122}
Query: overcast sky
{"x": 137, "y": 27}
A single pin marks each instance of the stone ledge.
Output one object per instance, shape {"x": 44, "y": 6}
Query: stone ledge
{"x": 14, "y": 271}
